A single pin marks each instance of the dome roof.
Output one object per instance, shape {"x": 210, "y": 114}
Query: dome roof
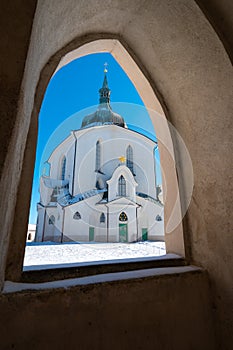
{"x": 104, "y": 114}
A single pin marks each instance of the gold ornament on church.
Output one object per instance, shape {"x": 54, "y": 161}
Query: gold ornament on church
{"x": 122, "y": 159}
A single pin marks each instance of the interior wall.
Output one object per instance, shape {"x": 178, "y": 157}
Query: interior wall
{"x": 187, "y": 64}
{"x": 134, "y": 314}
{"x": 220, "y": 15}
{"x": 15, "y": 26}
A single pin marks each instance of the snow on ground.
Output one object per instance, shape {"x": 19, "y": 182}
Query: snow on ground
{"x": 49, "y": 253}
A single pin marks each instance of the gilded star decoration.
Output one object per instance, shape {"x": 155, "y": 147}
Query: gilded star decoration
{"x": 122, "y": 159}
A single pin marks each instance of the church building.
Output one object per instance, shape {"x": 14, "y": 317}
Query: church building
{"x": 102, "y": 183}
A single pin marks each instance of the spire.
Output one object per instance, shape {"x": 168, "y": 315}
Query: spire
{"x": 104, "y": 92}
{"x": 104, "y": 114}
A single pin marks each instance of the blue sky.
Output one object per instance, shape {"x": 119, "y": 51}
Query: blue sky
{"x": 70, "y": 95}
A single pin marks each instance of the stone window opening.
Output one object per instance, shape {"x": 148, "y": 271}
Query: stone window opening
{"x": 52, "y": 220}
{"x": 158, "y": 218}
{"x": 98, "y": 156}
{"x": 129, "y": 159}
{"x": 102, "y": 218}
{"x": 123, "y": 217}
{"x": 122, "y": 186}
{"x": 63, "y": 168}
{"x": 122, "y": 191}
{"x": 77, "y": 216}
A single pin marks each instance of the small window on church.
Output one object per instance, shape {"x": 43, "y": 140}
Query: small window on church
{"x": 98, "y": 156}
{"x": 63, "y": 168}
{"x": 51, "y": 220}
{"x": 102, "y": 218}
{"x": 123, "y": 217}
{"x": 158, "y": 218}
{"x": 77, "y": 216}
{"x": 129, "y": 158}
{"x": 122, "y": 186}
{"x": 54, "y": 195}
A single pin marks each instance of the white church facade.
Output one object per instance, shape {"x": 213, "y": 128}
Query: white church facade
{"x": 102, "y": 184}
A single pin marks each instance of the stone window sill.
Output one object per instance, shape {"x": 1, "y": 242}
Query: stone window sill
{"x": 13, "y": 287}
{"x": 56, "y": 276}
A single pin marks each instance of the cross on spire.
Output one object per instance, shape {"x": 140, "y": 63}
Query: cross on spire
{"x": 105, "y": 67}
{"x": 104, "y": 92}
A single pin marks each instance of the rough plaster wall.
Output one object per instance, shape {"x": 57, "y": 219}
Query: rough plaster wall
{"x": 15, "y": 27}
{"x": 220, "y": 15}
{"x": 16, "y": 19}
{"x": 166, "y": 313}
{"x": 187, "y": 61}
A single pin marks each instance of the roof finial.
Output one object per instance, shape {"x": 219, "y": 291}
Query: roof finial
{"x": 105, "y": 67}
{"x": 104, "y": 92}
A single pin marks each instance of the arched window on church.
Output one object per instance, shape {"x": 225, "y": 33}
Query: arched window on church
{"x": 102, "y": 218}
{"x": 63, "y": 168}
{"x": 123, "y": 217}
{"x": 122, "y": 186}
{"x": 77, "y": 216}
{"x": 97, "y": 185}
{"x": 52, "y": 220}
{"x": 98, "y": 156}
{"x": 129, "y": 158}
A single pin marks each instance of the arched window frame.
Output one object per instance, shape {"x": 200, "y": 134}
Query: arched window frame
{"x": 98, "y": 156}
{"x": 129, "y": 159}
{"x": 63, "y": 168}
{"x": 52, "y": 220}
{"x": 102, "y": 218}
{"x": 122, "y": 186}
{"x": 123, "y": 217}
{"x": 179, "y": 250}
{"x": 77, "y": 216}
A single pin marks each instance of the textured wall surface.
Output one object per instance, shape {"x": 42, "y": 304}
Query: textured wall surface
{"x": 15, "y": 26}
{"x": 185, "y": 61}
{"x": 169, "y": 313}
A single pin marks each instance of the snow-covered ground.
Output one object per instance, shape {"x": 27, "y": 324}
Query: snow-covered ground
{"x": 48, "y": 253}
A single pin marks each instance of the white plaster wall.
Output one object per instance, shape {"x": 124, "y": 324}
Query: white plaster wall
{"x": 115, "y": 141}
{"x": 147, "y": 219}
{"x": 51, "y": 232}
{"x": 79, "y": 229}
{"x": 40, "y": 223}
{"x": 57, "y": 155}
{"x": 59, "y": 221}
{"x": 45, "y": 192}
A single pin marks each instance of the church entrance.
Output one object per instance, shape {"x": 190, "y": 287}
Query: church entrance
{"x": 123, "y": 227}
{"x": 144, "y": 234}
{"x": 91, "y": 234}
{"x": 123, "y": 233}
